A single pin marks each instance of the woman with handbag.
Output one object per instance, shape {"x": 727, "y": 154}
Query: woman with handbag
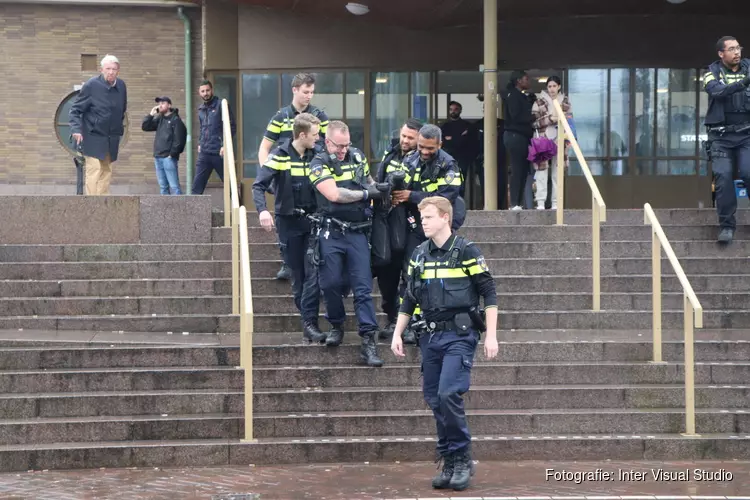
{"x": 546, "y": 125}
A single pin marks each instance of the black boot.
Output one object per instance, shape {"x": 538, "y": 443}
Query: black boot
{"x": 335, "y": 336}
{"x": 387, "y": 332}
{"x": 443, "y": 480}
{"x": 368, "y": 352}
{"x": 463, "y": 469}
{"x": 285, "y": 273}
{"x": 311, "y": 333}
{"x": 409, "y": 337}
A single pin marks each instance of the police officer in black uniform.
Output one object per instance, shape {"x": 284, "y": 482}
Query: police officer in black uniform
{"x": 728, "y": 126}
{"x": 389, "y": 275}
{"x": 280, "y": 128}
{"x": 345, "y": 189}
{"x": 447, "y": 275}
{"x": 287, "y": 168}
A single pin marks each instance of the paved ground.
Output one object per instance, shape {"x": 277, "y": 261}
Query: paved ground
{"x": 508, "y": 480}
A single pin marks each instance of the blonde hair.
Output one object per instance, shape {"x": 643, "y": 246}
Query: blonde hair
{"x": 304, "y": 122}
{"x": 442, "y": 204}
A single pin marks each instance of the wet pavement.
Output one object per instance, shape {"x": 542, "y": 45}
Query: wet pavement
{"x": 607, "y": 480}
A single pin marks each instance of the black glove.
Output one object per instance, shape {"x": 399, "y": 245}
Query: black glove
{"x": 377, "y": 191}
{"x": 746, "y": 81}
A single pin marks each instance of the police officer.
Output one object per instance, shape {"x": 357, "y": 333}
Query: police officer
{"x": 345, "y": 188}
{"x": 287, "y": 167}
{"x": 728, "y": 126}
{"x": 280, "y": 128}
{"x": 446, "y": 276}
{"x": 389, "y": 275}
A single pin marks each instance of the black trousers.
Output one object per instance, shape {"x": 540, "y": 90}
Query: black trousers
{"x": 724, "y": 150}
{"x": 389, "y": 277}
{"x": 518, "y": 150}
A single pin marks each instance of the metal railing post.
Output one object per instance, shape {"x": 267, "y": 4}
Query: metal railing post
{"x": 247, "y": 325}
{"x": 656, "y": 294}
{"x": 595, "y": 253}
{"x": 235, "y": 261}
{"x": 560, "y": 174}
{"x": 689, "y": 369}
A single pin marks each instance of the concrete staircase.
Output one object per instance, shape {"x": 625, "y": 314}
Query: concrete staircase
{"x": 123, "y": 353}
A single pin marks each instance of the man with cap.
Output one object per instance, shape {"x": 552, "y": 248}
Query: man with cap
{"x": 169, "y": 143}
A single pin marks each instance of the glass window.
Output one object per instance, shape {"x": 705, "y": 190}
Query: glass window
{"x": 260, "y": 101}
{"x": 420, "y": 95}
{"x": 596, "y": 166}
{"x": 702, "y": 136}
{"x": 463, "y": 87}
{"x": 225, "y": 87}
{"x": 587, "y": 89}
{"x": 675, "y": 167}
{"x": 389, "y": 109}
{"x": 676, "y": 113}
{"x": 355, "y": 107}
{"x": 645, "y": 81}
{"x": 619, "y": 120}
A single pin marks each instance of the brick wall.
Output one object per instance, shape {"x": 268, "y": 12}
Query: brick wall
{"x": 40, "y": 61}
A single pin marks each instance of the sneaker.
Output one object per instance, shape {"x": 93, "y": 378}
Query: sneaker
{"x": 517, "y": 208}
{"x": 285, "y": 273}
{"x": 726, "y": 235}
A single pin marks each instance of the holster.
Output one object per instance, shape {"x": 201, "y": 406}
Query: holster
{"x": 478, "y": 318}
{"x": 313, "y": 249}
{"x": 707, "y": 148}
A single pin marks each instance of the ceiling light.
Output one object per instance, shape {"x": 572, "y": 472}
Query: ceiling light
{"x": 676, "y": 1}
{"x": 381, "y": 79}
{"x": 357, "y": 8}
{"x": 542, "y": 79}
{"x": 361, "y": 92}
{"x": 662, "y": 91}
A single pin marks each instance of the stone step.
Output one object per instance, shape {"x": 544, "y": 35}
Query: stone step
{"x": 377, "y": 423}
{"x": 115, "y": 270}
{"x": 393, "y": 375}
{"x": 501, "y": 397}
{"x": 670, "y": 216}
{"x": 116, "y": 287}
{"x": 190, "y": 401}
{"x": 98, "y": 306}
{"x": 558, "y": 301}
{"x": 108, "y": 356}
{"x": 517, "y": 422}
{"x": 542, "y": 249}
{"x": 501, "y": 233}
{"x": 279, "y": 322}
{"x": 208, "y": 452}
{"x": 564, "y": 266}
{"x": 542, "y": 283}
{"x": 114, "y": 253}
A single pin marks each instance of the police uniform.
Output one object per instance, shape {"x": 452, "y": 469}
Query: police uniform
{"x": 344, "y": 246}
{"x": 389, "y": 275}
{"x": 290, "y": 173}
{"x": 440, "y": 176}
{"x": 728, "y": 126}
{"x": 281, "y": 125}
{"x": 448, "y": 281}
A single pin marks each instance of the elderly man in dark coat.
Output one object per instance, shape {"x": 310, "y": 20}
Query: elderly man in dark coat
{"x": 96, "y": 123}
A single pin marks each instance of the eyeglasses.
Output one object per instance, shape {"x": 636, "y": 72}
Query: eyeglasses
{"x": 339, "y": 146}
{"x": 733, "y": 50}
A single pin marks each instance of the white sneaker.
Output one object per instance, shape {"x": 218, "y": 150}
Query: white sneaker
{"x": 517, "y": 208}
{"x": 540, "y": 206}
{"x": 554, "y": 207}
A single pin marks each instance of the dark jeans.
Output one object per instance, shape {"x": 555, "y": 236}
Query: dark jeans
{"x": 447, "y": 359}
{"x": 346, "y": 260}
{"x": 724, "y": 150}
{"x": 389, "y": 277}
{"x": 207, "y": 162}
{"x": 294, "y": 238}
{"x": 520, "y": 168}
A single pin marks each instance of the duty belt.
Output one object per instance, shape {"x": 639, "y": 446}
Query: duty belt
{"x": 724, "y": 129}
{"x": 344, "y": 226}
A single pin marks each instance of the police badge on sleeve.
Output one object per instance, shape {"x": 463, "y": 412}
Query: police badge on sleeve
{"x": 317, "y": 170}
{"x": 483, "y": 264}
{"x": 450, "y": 176}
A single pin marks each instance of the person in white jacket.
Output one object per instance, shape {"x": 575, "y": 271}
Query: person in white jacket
{"x": 546, "y": 125}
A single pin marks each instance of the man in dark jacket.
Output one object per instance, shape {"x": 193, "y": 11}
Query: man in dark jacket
{"x": 96, "y": 123}
{"x": 211, "y": 143}
{"x": 169, "y": 142}
{"x": 517, "y": 102}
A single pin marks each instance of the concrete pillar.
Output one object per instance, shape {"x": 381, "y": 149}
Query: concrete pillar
{"x": 490, "y": 104}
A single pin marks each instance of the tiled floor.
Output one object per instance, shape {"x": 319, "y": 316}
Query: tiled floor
{"x": 507, "y": 480}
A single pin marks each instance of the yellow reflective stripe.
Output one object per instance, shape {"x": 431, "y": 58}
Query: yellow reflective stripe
{"x": 287, "y": 127}
{"x": 346, "y": 176}
{"x": 429, "y": 188}
{"x": 433, "y": 274}
{"x": 455, "y": 182}
{"x": 467, "y": 262}
{"x": 323, "y": 127}
{"x": 274, "y": 127}
{"x": 708, "y": 77}
{"x": 277, "y": 165}
{"x": 299, "y": 172}
{"x": 474, "y": 270}
{"x": 417, "y": 310}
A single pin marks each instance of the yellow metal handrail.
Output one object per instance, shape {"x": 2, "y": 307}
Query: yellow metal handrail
{"x": 598, "y": 208}
{"x": 242, "y": 291}
{"x": 693, "y": 311}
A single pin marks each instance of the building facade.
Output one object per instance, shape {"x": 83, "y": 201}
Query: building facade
{"x": 632, "y": 72}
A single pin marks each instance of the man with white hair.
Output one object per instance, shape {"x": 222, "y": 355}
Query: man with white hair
{"x": 96, "y": 123}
